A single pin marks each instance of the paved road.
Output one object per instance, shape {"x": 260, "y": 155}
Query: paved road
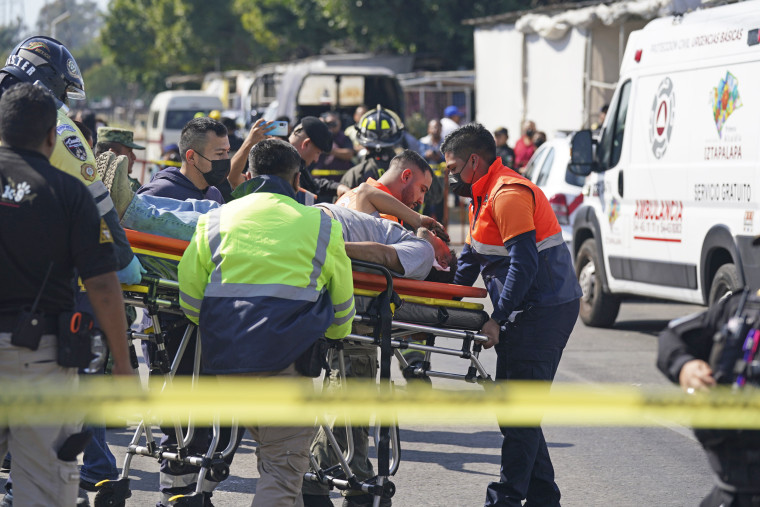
{"x": 447, "y": 464}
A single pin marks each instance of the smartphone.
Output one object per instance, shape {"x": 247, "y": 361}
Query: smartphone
{"x": 280, "y": 129}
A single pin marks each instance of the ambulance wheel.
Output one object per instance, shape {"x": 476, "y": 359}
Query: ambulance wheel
{"x": 598, "y": 308}
{"x": 725, "y": 280}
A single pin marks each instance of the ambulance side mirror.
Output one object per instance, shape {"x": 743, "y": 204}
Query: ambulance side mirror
{"x": 582, "y": 153}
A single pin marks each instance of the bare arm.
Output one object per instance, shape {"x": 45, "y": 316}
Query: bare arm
{"x": 257, "y": 133}
{"x": 105, "y": 296}
{"x": 370, "y": 199}
{"x": 378, "y": 253}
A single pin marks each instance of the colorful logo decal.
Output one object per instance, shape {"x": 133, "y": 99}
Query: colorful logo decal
{"x": 72, "y": 67}
{"x": 64, "y": 127}
{"x": 661, "y": 118}
{"x": 75, "y": 147}
{"x": 105, "y": 232}
{"x": 39, "y": 47}
{"x": 614, "y": 211}
{"x": 725, "y": 100}
{"x": 88, "y": 172}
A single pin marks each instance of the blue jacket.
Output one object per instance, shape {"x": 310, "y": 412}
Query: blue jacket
{"x": 170, "y": 182}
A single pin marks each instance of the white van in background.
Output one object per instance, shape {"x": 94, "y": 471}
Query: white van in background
{"x": 671, "y": 204}
{"x": 168, "y": 114}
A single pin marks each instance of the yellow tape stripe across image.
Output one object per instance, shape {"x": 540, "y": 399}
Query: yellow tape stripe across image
{"x": 270, "y": 401}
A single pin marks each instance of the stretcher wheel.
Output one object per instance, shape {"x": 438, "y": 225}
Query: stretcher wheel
{"x": 109, "y": 499}
{"x": 219, "y": 472}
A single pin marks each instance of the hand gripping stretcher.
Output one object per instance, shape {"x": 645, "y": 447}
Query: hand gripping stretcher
{"x": 391, "y": 313}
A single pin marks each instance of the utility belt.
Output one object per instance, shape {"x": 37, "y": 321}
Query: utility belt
{"x": 80, "y": 344}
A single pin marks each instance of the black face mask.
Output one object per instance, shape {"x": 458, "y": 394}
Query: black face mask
{"x": 220, "y": 169}
{"x": 459, "y": 186}
{"x": 530, "y": 132}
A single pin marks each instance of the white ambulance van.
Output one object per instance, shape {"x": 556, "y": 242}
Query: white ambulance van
{"x": 671, "y": 201}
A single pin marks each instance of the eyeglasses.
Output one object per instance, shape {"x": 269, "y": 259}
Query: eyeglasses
{"x": 331, "y": 124}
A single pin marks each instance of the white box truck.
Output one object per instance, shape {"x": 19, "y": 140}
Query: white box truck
{"x": 673, "y": 186}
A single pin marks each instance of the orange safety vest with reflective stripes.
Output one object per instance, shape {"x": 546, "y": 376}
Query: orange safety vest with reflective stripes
{"x": 484, "y": 235}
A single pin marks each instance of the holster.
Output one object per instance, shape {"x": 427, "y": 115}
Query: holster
{"x": 75, "y": 339}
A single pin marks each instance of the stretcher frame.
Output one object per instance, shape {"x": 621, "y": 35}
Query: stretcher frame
{"x": 159, "y": 295}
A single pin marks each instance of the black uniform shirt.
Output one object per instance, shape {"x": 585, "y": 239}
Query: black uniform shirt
{"x": 46, "y": 216}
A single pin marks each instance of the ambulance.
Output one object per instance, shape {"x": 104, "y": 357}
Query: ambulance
{"x": 671, "y": 198}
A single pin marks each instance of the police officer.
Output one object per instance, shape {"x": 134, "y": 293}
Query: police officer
{"x": 693, "y": 352}
{"x": 516, "y": 244}
{"x": 46, "y": 61}
{"x": 50, "y": 226}
{"x": 265, "y": 278}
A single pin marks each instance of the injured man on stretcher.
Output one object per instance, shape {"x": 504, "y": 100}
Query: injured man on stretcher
{"x": 367, "y": 237}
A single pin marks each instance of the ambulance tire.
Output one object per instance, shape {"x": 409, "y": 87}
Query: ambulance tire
{"x": 598, "y": 308}
{"x": 725, "y": 280}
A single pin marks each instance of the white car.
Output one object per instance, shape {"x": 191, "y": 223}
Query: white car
{"x": 548, "y": 169}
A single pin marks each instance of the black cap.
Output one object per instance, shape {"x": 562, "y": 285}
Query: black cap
{"x": 317, "y": 131}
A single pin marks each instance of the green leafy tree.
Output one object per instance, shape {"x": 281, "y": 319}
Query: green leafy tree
{"x": 151, "y": 39}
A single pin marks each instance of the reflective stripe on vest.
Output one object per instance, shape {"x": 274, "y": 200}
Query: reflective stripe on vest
{"x": 484, "y": 235}
{"x": 218, "y": 288}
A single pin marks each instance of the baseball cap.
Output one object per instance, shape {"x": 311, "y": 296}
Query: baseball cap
{"x": 121, "y": 136}
{"x": 451, "y": 111}
{"x": 317, "y": 131}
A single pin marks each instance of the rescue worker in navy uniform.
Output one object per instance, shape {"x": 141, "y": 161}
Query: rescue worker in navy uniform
{"x": 50, "y": 226}
{"x": 684, "y": 356}
{"x": 516, "y": 244}
{"x": 46, "y": 61}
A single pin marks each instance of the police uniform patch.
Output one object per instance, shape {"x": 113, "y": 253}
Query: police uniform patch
{"x": 105, "y": 232}
{"x": 72, "y": 67}
{"x": 64, "y": 127}
{"x": 75, "y": 147}
{"x": 39, "y": 47}
{"x": 88, "y": 172}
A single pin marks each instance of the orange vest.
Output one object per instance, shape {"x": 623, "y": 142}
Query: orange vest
{"x": 484, "y": 235}
{"x": 348, "y": 200}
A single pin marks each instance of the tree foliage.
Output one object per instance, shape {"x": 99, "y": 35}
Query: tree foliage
{"x": 78, "y": 29}
{"x": 10, "y": 35}
{"x": 148, "y": 40}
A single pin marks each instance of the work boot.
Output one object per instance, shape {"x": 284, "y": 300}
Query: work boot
{"x": 113, "y": 170}
{"x": 317, "y": 501}
{"x": 364, "y": 501}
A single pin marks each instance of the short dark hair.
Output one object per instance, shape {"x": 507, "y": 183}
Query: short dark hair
{"x": 501, "y": 131}
{"x": 470, "y": 138}
{"x": 193, "y": 136}
{"x": 413, "y": 157}
{"x": 275, "y": 157}
{"x": 27, "y": 113}
{"x": 84, "y": 129}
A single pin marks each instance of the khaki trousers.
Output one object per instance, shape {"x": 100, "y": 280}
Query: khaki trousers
{"x": 40, "y": 479}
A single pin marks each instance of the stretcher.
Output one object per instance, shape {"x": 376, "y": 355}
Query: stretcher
{"x": 391, "y": 314}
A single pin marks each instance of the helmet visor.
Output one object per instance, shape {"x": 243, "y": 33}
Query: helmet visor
{"x": 74, "y": 93}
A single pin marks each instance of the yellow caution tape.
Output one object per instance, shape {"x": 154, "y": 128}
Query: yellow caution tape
{"x": 264, "y": 400}
{"x": 166, "y": 162}
{"x": 327, "y": 172}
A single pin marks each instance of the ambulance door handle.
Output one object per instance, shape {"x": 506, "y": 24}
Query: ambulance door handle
{"x": 620, "y": 183}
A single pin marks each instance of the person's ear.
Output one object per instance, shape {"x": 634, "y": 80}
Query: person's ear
{"x": 296, "y": 182}
{"x": 406, "y": 174}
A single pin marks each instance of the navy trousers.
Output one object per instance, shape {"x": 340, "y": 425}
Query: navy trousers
{"x": 530, "y": 349}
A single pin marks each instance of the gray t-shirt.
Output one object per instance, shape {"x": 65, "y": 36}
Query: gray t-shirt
{"x": 416, "y": 255}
